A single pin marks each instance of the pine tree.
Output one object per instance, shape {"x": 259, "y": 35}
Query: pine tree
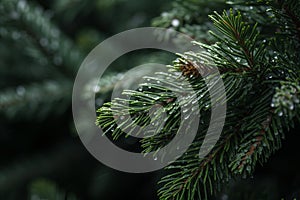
{"x": 255, "y": 46}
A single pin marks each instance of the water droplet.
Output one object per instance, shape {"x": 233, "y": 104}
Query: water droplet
{"x": 176, "y": 74}
{"x": 140, "y": 89}
{"x": 185, "y": 110}
{"x": 280, "y": 114}
{"x": 21, "y": 5}
{"x": 272, "y": 105}
{"x": 291, "y": 107}
{"x": 195, "y": 101}
{"x": 269, "y": 77}
{"x": 96, "y": 88}
{"x": 155, "y": 98}
{"x": 175, "y": 22}
{"x": 155, "y": 158}
{"x": 248, "y": 168}
{"x": 264, "y": 144}
{"x": 20, "y": 90}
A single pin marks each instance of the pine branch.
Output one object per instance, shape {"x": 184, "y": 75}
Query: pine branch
{"x": 58, "y": 49}
{"x": 185, "y": 17}
{"x": 259, "y": 111}
{"x": 240, "y": 40}
{"x": 39, "y": 97}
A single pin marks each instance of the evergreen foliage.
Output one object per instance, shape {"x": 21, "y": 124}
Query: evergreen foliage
{"x": 255, "y": 46}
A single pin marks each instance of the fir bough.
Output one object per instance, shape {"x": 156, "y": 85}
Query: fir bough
{"x": 260, "y": 71}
